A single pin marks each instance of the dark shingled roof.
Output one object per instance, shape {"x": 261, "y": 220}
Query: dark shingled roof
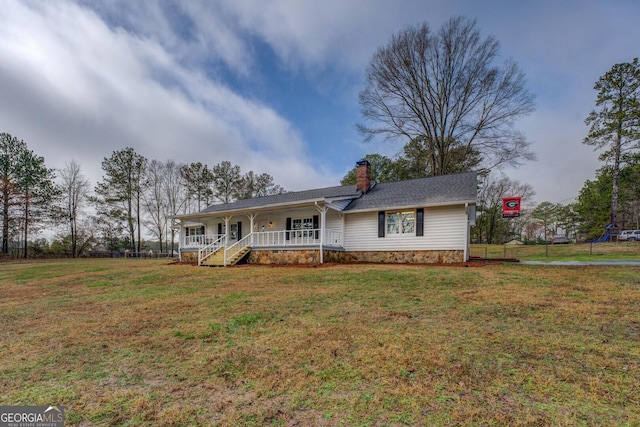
{"x": 459, "y": 188}
{"x": 297, "y": 196}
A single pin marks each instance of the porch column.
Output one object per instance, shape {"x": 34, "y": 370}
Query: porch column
{"x": 323, "y": 216}
{"x": 251, "y": 218}
{"x": 227, "y": 219}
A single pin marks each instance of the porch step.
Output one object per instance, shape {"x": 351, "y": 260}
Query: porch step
{"x": 217, "y": 259}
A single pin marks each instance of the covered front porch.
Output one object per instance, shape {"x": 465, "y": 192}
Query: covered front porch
{"x": 226, "y": 240}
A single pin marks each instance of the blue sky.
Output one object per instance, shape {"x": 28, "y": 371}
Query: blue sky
{"x": 273, "y": 85}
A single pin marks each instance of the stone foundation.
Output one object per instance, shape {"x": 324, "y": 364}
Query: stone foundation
{"x": 189, "y": 256}
{"x": 299, "y": 256}
{"x": 312, "y": 256}
{"x": 402, "y": 257}
{"x": 383, "y": 257}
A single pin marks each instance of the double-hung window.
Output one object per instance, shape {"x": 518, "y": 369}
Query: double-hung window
{"x": 302, "y": 227}
{"x": 401, "y": 222}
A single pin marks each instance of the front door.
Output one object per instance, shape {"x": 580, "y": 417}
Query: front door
{"x": 235, "y": 232}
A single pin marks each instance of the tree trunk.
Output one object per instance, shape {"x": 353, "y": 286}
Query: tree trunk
{"x": 616, "y": 179}
{"x": 74, "y": 239}
{"x": 5, "y": 222}
{"x": 26, "y": 224}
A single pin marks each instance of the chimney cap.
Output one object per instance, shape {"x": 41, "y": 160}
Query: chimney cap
{"x": 363, "y": 162}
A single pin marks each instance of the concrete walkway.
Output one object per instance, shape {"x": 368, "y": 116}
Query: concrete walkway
{"x": 632, "y": 263}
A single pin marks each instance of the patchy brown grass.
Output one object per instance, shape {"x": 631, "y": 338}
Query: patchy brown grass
{"x": 141, "y": 342}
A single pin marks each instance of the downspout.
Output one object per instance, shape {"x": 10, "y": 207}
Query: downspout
{"x": 180, "y": 243}
{"x": 467, "y": 235}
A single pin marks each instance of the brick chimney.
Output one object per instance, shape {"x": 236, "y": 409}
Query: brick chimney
{"x": 363, "y": 175}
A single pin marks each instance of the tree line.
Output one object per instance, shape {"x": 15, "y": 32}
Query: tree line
{"x": 136, "y": 197}
{"x": 440, "y": 92}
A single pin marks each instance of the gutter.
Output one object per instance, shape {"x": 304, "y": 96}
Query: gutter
{"x": 411, "y": 206}
{"x": 310, "y": 202}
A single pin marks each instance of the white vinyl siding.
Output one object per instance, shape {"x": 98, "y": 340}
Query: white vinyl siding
{"x": 445, "y": 228}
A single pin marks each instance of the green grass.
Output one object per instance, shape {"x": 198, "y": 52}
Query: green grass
{"x": 142, "y": 342}
{"x": 573, "y": 252}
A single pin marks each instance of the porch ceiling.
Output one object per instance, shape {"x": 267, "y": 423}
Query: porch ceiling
{"x": 257, "y": 210}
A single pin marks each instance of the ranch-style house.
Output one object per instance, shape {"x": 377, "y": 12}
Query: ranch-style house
{"x": 415, "y": 221}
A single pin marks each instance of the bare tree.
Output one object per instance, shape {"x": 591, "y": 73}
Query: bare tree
{"x": 74, "y": 190}
{"x": 155, "y": 202}
{"x": 443, "y": 90}
{"x": 490, "y": 226}
{"x": 175, "y": 195}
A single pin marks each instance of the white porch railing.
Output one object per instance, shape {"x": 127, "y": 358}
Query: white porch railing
{"x": 238, "y": 246}
{"x": 208, "y": 244}
{"x": 297, "y": 238}
{"x": 333, "y": 237}
{"x": 206, "y": 251}
{"x": 200, "y": 240}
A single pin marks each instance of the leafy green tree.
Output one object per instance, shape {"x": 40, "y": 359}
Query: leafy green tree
{"x": 615, "y": 125}
{"x": 443, "y": 90}
{"x": 254, "y": 185}
{"x": 383, "y": 169}
{"x": 36, "y": 192}
{"x": 593, "y": 204}
{"x": 26, "y": 190}
{"x": 630, "y": 194}
{"x": 119, "y": 195}
{"x": 226, "y": 180}
{"x": 11, "y": 151}
{"x": 548, "y": 214}
{"x": 198, "y": 180}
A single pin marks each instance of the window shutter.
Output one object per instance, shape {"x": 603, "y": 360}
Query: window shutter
{"x": 316, "y": 225}
{"x": 239, "y": 230}
{"x": 219, "y": 228}
{"x": 420, "y": 222}
{"x": 381, "y": 223}
{"x": 287, "y": 227}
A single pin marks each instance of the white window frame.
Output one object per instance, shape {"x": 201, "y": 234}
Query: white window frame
{"x": 302, "y": 227}
{"x": 195, "y": 231}
{"x": 401, "y": 223}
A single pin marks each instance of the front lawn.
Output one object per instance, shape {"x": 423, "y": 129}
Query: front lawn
{"x": 143, "y": 342}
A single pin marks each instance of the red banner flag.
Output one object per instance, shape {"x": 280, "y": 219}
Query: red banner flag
{"x": 511, "y": 207}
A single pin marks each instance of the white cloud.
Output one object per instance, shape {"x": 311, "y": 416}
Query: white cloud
{"x": 183, "y": 80}
{"x": 82, "y": 90}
